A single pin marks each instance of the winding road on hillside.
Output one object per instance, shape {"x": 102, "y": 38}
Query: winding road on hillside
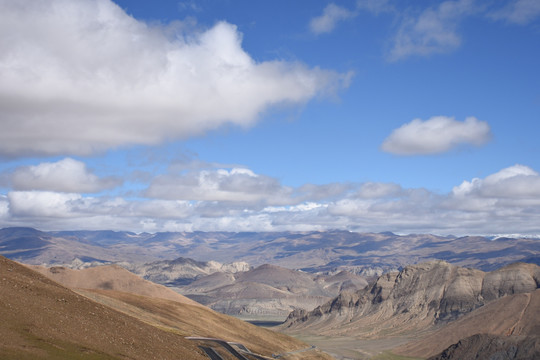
{"x": 229, "y": 346}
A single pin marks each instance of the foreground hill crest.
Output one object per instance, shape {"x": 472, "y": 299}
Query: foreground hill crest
{"x": 42, "y": 319}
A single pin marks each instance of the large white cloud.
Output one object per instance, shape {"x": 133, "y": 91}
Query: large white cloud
{"x": 436, "y": 135}
{"x": 82, "y": 76}
{"x": 67, "y": 175}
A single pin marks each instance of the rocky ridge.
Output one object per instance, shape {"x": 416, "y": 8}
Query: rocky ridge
{"x": 490, "y": 347}
{"x": 416, "y": 298}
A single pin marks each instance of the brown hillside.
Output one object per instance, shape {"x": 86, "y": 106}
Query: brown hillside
{"x": 42, "y": 320}
{"x": 154, "y": 304}
{"x": 199, "y": 321}
{"x": 110, "y": 277}
{"x": 510, "y": 315}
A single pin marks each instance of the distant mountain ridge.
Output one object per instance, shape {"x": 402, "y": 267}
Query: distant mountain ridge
{"x": 367, "y": 254}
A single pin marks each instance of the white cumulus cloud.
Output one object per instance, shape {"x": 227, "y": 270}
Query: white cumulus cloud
{"x": 78, "y": 77}
{"x": 38, "y": 204}
{"x": 515, "y": 182}
{"x": 67, "y": 175}
{"x": 436, "y": 135}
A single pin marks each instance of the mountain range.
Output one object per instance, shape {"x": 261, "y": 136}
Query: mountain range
{"x": 367, "y": 254}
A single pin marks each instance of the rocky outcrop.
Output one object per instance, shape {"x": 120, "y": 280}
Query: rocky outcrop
{"x": 512, "y": 315}
{"x": 417, "y": 297}
{"x": 182, "y": 271}
{"x": 512, "y": 279}
{"x": 489, "y": 347}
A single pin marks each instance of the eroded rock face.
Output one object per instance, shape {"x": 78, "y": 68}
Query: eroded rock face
{"x": 418, "y": 296}
{"x": 489, "y": 347}
{"x": 512, "y": 315}
{"x": 512, "y": 279}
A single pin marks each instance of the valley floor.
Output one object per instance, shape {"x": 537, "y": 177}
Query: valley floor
{"x": 349, "y": 348}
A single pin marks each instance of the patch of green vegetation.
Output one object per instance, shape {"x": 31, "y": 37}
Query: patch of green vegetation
{"x": 387, "y": 355}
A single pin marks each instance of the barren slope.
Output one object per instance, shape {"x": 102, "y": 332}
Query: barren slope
{"x": 42, "y": 320}
{"x": 515, "y": 315}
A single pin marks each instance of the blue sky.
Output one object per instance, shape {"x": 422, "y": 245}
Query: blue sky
{"x": 365, "y": 115}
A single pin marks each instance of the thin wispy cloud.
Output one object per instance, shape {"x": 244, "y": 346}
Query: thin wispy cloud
{"x": 520, "y": 12}
{"x": 375, "y": 6}
{"x": 429, "y": 30}
{"x": 436, "y": 135}
{"x": 434, "y": 30}
{"x": 334, "y": 14}
{"x": 331, "y": 16}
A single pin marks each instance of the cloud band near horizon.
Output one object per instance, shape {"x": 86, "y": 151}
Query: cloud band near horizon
{"x": 215, "y": 198}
